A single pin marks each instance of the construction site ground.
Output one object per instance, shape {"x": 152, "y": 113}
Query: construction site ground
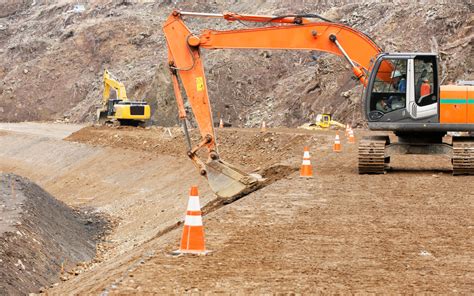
{"x": 407, "y": 231}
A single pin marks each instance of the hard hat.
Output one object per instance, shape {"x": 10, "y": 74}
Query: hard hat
{"x": 425, "y": 79}
{"x": 396, "y": 74}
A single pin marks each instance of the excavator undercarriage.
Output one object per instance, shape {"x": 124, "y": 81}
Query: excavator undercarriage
{"x": 375, "y": 151}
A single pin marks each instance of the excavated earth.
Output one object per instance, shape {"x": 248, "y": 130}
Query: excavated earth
{"x": 408, "y": 231}
{"x": 40, "y": 236}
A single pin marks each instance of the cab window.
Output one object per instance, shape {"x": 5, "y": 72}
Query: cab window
{"x": 424, "y": 81}
{"x": 389, "y": 89}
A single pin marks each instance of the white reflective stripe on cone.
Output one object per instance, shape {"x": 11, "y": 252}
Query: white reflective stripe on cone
{"x": 306, "y": 162}
{"x": 193, "y": 220}
{"x": 306, "y": 154}
{"x": 193, "y": 203}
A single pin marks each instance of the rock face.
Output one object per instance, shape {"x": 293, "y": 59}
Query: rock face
{"x": 40, "y": 236}
{"x": 52, "y": 54}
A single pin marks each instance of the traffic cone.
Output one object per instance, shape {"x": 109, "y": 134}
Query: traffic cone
{"x": 264, "y": 127}
{"x": 347, "y": 130}
{"x": 221, "y": 124}
{"x": 192, "y": 240}
{"x": 351, "y": 137}
{"x": 306, "y": 168}
{"x": 337, "y": 144}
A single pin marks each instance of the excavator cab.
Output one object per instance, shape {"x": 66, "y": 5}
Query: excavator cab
{"x": 405, "y": 92}
{"x": 323, "y": 120}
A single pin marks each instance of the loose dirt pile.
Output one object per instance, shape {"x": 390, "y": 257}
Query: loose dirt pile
{"x": 53, "y": 53}
{"x": 41, "y": 236}
{"x": 249, "y": 148}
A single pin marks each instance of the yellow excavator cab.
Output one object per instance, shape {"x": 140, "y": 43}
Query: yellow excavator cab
{"x": 120, "y": 109}
{"x": 323, "y": 120}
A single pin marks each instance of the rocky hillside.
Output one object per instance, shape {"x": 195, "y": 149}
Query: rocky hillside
{"x": 53, "y": 53}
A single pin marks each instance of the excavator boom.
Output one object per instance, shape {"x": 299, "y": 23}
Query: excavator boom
{"x": 286, "y": 32}
{"x": 110, "y": 82}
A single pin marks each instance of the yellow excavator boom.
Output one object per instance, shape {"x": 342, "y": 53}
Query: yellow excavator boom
{"x": 110, "y": 82}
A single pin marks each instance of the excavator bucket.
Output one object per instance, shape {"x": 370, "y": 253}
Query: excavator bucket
{"x": 230, "y": 183}
{"x": 101, "y": 116}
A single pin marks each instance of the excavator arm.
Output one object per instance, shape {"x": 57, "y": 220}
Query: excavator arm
{"x": 285, "y": 32}
{"x": 110, "y": 82}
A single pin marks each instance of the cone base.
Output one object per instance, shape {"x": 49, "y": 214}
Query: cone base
{"x": 306, "y": 171}
{"x": 194, "y": 252}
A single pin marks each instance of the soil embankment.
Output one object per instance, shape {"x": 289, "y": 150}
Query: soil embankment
{"x": 40, "y": 236}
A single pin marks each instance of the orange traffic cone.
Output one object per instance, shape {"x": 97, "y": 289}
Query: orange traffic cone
{"x": 221, "y": 123}
{"x": 347, "y": 130}
{"x": 306, "y": 168}
{"x": 351, "y": 137}
{"x": 337, "y": 144}
{"x": 264, "y": 127}
{"x": 192, "y": 240}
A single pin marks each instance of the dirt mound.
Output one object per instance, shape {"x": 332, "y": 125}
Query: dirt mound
{"x": 249, "y": 148}
{"x": 40, "y": 236}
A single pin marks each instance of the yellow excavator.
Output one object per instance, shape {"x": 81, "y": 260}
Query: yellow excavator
{"x": 119, "y": 109}
{"x": 323, "y": 121}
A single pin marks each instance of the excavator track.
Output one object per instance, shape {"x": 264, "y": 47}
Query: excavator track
{"x": 463, "y": 156}
{"x": 372, "y": 154}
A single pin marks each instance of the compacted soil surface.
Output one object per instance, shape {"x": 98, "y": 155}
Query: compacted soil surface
{"x": 408, "y": 231}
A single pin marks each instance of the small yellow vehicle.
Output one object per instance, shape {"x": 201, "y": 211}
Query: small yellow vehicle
{"x": 323, "y": 121}
{"x": 120, "y": 110}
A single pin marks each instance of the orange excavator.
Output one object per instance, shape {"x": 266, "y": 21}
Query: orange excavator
{"x": 402, "y": 92}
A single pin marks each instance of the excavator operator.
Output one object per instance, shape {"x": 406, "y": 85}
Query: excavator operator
{"x": 399, "y": 84}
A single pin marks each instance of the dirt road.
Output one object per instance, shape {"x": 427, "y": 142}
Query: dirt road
{"x": 51, "y": 130}
{"x": 407, "y": 231}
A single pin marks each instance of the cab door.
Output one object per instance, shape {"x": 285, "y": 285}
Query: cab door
{"x": 422, "y": 88}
